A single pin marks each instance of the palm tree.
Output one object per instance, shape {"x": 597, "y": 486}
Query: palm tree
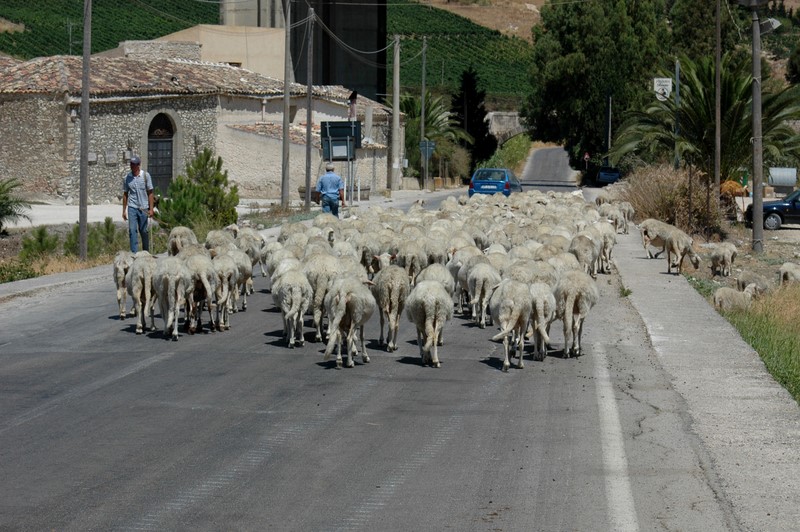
{"x": 440, "y": 124}
{"x": 11, "y": 206}
{"x": 652, "y": 130}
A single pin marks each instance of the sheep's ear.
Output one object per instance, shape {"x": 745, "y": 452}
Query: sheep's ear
{"x": 368, "y": 283}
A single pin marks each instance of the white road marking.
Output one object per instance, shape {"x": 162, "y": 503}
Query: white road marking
{"x": 621, "y": 508}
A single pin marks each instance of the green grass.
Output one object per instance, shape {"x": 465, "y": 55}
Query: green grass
{"x": 512, "y": 154}
{"x": 770, "y": 327}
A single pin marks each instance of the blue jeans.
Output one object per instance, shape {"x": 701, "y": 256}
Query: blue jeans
{"x": 137, "y": 221}
{"x": 330, "y": 205}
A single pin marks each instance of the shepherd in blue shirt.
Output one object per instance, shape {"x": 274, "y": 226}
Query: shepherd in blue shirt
{"x": 331, "y": 189}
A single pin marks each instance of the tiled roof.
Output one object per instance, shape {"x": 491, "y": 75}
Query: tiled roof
{"x": 297, "y": 134}
{"x": 122, "y": 76}
{"x": 7, "y": 61}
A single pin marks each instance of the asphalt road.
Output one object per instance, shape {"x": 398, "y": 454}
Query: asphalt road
{"x": 101, "y": 429}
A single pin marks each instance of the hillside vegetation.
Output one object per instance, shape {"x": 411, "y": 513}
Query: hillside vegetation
{"x": 57, "y": 26}
{"x": 454, "y": 42}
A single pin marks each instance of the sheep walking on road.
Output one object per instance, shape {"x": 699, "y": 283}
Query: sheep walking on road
{"x": 390, "y": 288}
{"x": 482, "y": 277}
{"x": 575, "y": 294}
{"x": 122, "y": 263}
{"x": 510, "y": 306}
{"x": 171, "y": 281}
{"x": 543, "y": 312}
{"x": 429, "y": 307}
{"x": 349, "y": 305}
{"x": 292, "y": 294}
{"x": 679, "y": 245}
{"x": 139, "y": 281}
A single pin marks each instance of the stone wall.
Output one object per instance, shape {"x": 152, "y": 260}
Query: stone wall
{"x": 161, "y": 50}
{"x": 40, "y": 142}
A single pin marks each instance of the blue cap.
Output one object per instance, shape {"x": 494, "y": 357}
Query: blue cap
{"x": 135, "y": 160}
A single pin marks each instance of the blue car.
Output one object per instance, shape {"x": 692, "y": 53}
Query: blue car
{"x": 494, "y": 180}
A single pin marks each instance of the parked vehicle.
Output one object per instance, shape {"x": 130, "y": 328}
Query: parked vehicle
{"x": 494, "y": 180}
{"x": 777, "y": 212}
{"x": 607, "y": 175}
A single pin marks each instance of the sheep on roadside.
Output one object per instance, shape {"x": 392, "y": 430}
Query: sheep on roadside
{"x": 654, "y": 233}
{"x": 746, "y": 278}
{"x": 171, "y": 281}
{"x": 728, "y": 299}
{"x": 349, "y": 305}
{"x": 679, "y": 244}
{"x": 390, "y": 289}
{"x": 429, "y": 307}
{"x": 292, "y": 294}
{"x": 722, "y": 258}
{"x": 510, "y": 306}
{"x": 139, "y": 281}
{"x": 575, "y": 294}
{"x": 122, "y": 263}
{"x": 789, "y": 273}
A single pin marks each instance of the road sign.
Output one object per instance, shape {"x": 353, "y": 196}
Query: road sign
{"x": 426, "y": 148}
{"x": 662, "y": 88}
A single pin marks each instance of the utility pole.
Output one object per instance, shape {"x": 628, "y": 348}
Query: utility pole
{"x": 717, "y": 108}
{"x": 396, "y": 164}
{"x": 677, "y": 111}
{"x": 422, "y": 117}
{"x": 83, "y": 228}
{"x": 309, "y": 104}
{"x": 287, "y": 74}
{"x": 758, "y": 191}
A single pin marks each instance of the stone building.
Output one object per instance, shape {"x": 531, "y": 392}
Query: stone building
{"x": 167, "y": 110}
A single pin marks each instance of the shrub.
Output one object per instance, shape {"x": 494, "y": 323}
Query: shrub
{"x": 101, "y": 239}
{"x": 15, "y": 270}
{"x": 663, "y": 193}
{"x": 202, "y": 196}
{"x": 11, "y": 206}
{"x": 38, "y": 245}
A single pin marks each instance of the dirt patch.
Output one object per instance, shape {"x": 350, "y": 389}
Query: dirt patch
{"x": 509, "y": 17}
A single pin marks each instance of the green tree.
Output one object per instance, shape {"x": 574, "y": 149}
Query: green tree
{"x": 12, "y": 207}
{"x": 470, "y": 112}
{"x": 585, "y": 55}
{"x": 202, "y": 196}
{"x": 793, "y": 66}
{"x": 694, "y": 30}
{"x": 650, "y": 132}
{"x": 440, "y": 124}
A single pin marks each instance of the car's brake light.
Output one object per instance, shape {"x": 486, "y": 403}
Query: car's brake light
{"x": 471, "y": 185}
{"x": 507, "y": 185}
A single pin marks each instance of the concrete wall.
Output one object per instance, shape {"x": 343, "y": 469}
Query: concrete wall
{"x": 186, "y": 49}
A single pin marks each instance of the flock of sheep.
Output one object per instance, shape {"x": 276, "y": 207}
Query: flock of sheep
{"x": 518, "y": 263}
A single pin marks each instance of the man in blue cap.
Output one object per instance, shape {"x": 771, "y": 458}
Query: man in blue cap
{"x": 137, "y": 204}
{"x": 331, "y": 189}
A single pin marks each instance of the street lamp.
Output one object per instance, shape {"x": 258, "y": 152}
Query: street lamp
{"x": 758, "y": 164}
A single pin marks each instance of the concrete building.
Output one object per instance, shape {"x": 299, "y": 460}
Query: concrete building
{"x": 166, "y": 110}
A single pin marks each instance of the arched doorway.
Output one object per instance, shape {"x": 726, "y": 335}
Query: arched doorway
{"x": 159, "y": 151}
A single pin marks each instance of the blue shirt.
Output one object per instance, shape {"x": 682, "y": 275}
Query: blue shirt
{"x": 329, "y": 185}
{"x": 137, "y": 188}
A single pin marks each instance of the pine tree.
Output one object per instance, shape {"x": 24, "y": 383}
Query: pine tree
{"x": 469, "y": 110}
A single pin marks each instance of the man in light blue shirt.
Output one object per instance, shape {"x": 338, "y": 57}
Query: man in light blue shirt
{"x": 331, "y": 189}
{"x": 137, "y": 203}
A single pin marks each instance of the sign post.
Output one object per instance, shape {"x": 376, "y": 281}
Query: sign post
{"x": 662, "y": 88}
{"x": 426, "y": 148}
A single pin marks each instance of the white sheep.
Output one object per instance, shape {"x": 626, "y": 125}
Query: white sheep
{"x": 679, "y": 244}
{"x": 122, "y": 263}
{"x": 438, "y": 272}
{"x": 429, "y": 307}
{"x": 789, "y": 273}
{"x": 292, "y": 294}
{"x": 349, "y": 305}
{"x": 180, "y": 237}
{"x": 320, "y": 269}
{"x": 139, "y": 281}
{"x": 575, "y": 294}
{"x": 543, "y": 312}
{"x": 654, "y": 233}
{"x": 728, "y": 299}
{"x": 510, "y": 306}
{"x": 203, "y": 277}
{"x": 482, "y": 277}
{"x": 587, "y": 251}
{"x": 722, "y": 258}
{"x": 746, "y": 278}
{"x": 227, "y": 280}
{"x": 171, "y": 281}
{"x": 390, "y": 288}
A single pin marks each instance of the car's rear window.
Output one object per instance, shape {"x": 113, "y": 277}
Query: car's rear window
{"x": 489, "y": 175}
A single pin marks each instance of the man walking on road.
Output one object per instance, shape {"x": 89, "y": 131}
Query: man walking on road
{"x": 137, "y": 204}
{"x": 331, "y": 189}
